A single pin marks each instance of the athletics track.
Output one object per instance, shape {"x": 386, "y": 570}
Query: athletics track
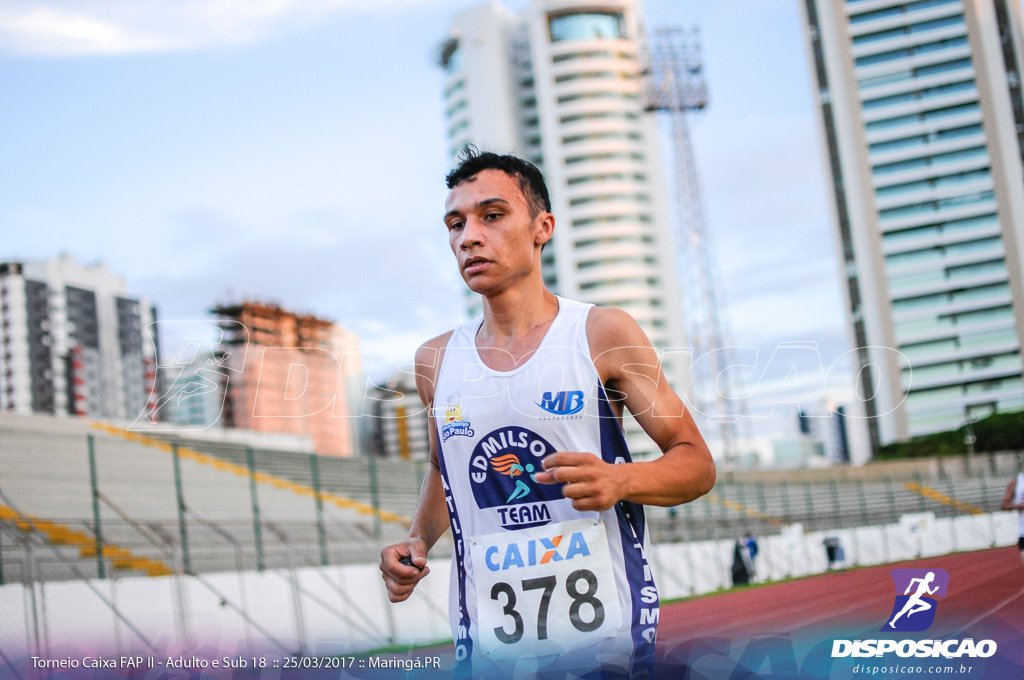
{"x": 784, "y": 631}
{"x": 988, "y": 584}
{"x": 985, "y": 600}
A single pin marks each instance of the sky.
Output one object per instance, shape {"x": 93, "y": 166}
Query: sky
{"x": 294, "y": 151}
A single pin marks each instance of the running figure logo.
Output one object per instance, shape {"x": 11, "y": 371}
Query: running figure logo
{"x": 509, "y": 465}
{"x": 914, "y": 610}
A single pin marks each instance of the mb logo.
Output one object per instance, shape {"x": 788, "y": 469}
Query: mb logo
{"x": 914, "y": 610}
{"x": 562, "y": 403}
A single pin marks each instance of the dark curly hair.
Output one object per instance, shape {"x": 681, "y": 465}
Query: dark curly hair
{"x": 472, "y": 161}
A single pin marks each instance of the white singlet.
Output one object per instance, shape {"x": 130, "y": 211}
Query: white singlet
{"x": 532, "y": 577}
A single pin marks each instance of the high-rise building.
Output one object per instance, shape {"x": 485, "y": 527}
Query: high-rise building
{"x": 195, "y": 396}
{"x": 560, "y": 85}
{"x": 74, "y": 342}
{"x": 398, "y": 418}
{"x": 828, "y": 426}
{"x": 922, "y": 120}
{"x": 289, "y": 373}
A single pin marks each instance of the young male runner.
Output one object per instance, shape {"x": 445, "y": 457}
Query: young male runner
{"x": 529, "y": 466}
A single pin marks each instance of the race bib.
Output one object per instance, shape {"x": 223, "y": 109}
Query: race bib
{"x": 544, "y": 590}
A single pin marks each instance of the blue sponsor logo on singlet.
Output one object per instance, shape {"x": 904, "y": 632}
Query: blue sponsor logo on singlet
{"x": 536, "y": 551}
{"x": 562, "y": 403}
{"x": 503, "y": 469}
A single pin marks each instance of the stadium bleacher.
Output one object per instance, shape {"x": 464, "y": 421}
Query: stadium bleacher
{"x": 47, "y": 504}
{"x": 46, "y": 476}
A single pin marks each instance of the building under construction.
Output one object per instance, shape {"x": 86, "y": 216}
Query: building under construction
{"x": 289, "y": 373}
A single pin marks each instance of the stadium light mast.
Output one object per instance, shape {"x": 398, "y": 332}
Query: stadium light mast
{"x": 673, "y": 82}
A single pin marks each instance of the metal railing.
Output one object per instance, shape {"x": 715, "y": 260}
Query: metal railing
{"x": 236, "y": 506}
{"x": 99, "y": 509}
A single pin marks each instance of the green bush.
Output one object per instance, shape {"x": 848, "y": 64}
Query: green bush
{"x": 998, "y": 432}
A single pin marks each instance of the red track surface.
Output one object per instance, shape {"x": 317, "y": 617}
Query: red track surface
{"x": 985, "y": 600}
{"x": 985, "y": 597}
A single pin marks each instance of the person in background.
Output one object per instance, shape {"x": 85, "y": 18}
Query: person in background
{"x": 751, "y": 543}
{"x": 1014, "y": 500}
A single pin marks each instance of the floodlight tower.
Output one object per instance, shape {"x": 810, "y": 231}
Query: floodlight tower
{"x": 673, "y": 77}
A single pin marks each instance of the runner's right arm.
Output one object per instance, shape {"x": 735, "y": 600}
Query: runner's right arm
{"x": 1008, "y": 503}
{"x": 430, "y": 520}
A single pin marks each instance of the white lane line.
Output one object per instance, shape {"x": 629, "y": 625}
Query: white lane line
{"x": 993, "y": 610}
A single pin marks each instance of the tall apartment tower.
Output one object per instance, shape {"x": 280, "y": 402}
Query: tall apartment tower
{"x": 560, "y": 85}
{"x": 923, "y": 122}
{"x": 73, "y": 342}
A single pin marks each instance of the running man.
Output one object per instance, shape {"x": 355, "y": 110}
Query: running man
{"x": 554, "y": 576}
{"x": 1014, "y": 500}
{"x": 510, "y": 466}
{"x": 915, "y": 604}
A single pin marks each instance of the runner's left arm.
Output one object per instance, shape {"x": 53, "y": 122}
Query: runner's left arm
{"x": 628, "y": 366}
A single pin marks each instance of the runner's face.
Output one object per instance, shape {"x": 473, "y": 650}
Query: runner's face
{"x": 491, "y": 233}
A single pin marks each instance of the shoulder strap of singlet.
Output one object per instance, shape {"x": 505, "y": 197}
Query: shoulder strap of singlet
{"x": 573, "y": 323}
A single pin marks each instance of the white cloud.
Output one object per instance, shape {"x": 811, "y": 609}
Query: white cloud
{"x": 48, "y": 30}
{"x": 98, "y": 27}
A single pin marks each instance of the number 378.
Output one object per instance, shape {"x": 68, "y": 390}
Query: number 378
{"x": 548, "y": 585}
